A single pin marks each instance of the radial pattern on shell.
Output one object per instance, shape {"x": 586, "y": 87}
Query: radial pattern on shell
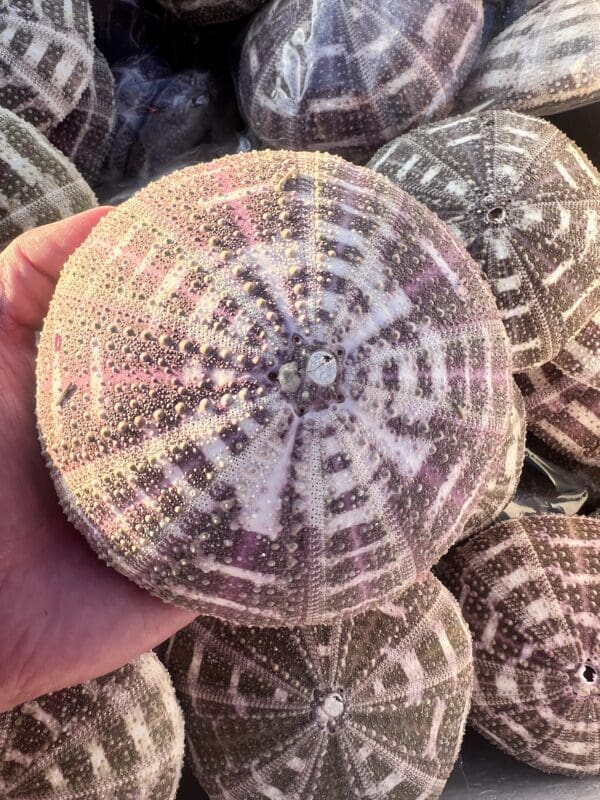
{"x": 348, "y": 76}
{"x": 373, "y": 706}
{"x": 120, "y": 736}
{"x": 46, "y": 58}
{"x": 580, "y": 357}
{"x": 547, "y": 61}
{"x": 269, "y": 388}
{"x": 528, "y": 589}
{"x": 206, "y": 12}
{"x": 525, "y": 201}
{"x": 39, "y": 185}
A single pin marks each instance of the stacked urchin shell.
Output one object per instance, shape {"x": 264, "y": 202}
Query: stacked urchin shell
{"x": 39, "y": 185}
{"x": 373, "y": 706}
{"x": 206, "y": 12}
{"x": 528, "y": 590}
{"x": 270, "y": 388}
{"x": 119, "y": 736}
{"x": 86, "y": 133}
{"x": 525, "y": 201}
{"x": 546, "y": 62}
{"x": 348, "y": 76}
{"x": 46, "y": 58}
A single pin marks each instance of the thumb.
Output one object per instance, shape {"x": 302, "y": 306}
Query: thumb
{"x": 31, "y": 264}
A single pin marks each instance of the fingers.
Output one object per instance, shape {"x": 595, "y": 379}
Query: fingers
{"x": 31, "y": 264}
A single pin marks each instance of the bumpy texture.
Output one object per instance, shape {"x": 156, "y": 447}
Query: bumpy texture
{"x": 46, "y": 58}
{"x": 504, "y": 478}
{"x": 525, "y": 201}
{"x": 206, "y": 12}
{"x": 347, "y": 76}
{"x": 580, "y": 357}
{"x": 563, "y": 412}
{"x": 528, "y": 590}
{"x": 271, "y": 388}
{"x": 373, "y": 706}
{"x": 547, "y": 61}
{"x": 85, "y": 135}
{"x": 39, "y": 185}
{"x": 120, "y": 736}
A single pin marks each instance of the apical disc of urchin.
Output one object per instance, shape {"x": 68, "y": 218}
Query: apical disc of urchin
{"x": 547, "y": 61}
{"x": 38, "y": 183}
{"x": 372, "y": 706}
{"x": 85, "y": 135}
{"x": 206, "y": 12}
{"x": 529, "y": 591}
{"x": 348, "y": 76}
{"x": 46, "y": 58}
{"x": 525, "y": 201}
{"x": 269, "y": 388}
{"x": 119, "y": 736}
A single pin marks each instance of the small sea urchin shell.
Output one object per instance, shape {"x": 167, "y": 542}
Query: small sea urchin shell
{"x": 348, "y": 76}
{"x": 206, "y": 12}
{"x": 528, "y": 590}
{"x": 85, "y": 135}
{"x": 39, "y": 185}
{"x": 373, "y": 706}
{"x": 46, "y": 58}
{"x": 525, "y": 201}
{"x": 269, "y": 388}
{"x": 120, "y": 736}
{"x": 546, "y": 62}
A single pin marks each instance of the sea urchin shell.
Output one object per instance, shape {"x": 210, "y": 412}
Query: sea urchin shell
{"x": 528, "y": 590}
{"x": 120, "y": 736}
{"x": 525, "y": 201}
{"x": 373, "y": 706}
{"x": 205, "y": 12}
{"x": 269, "y": 388}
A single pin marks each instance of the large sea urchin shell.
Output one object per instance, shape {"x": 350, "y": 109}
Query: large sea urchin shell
{"x": 39, "y": 185}
{"x": 546, "y": 62}
{"x": 529, "y": 591}
{"x": 348, "y": 76}
{"x": 525, "y": 201}
{"x": 46, "y": 58}
{"x": 85, "y": 135}
{"x": 373, "y": 706}
{"x": 120, "y": 736}
{"x": 269, "y": 388}
{"x": 206, "y": 12}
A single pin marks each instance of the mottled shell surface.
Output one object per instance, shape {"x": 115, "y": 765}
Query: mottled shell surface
{"x": 546, "y": 62}
{"x": 46, "y": 58}
{"x": 348, "y": 76}
{"x": 86, "y": 134}
{"x": 270, "y": 387}
{"x": 525, "y": 201}
{"x": 373, "y": 706}
{"x": 206, "y": 12}
{"x": 580, "y": 357}
{"x": 529, "y": 591}
{"x": 119, "y": 737}
{"x": 563, "y": 412}
{"x": 39, "y": 185}
{"x": 504, "y": 477}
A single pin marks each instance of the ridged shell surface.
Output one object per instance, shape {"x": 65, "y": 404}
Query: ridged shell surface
{"x": 529, "y": 591}
{"x": 373, "y": 706}
{"x": 119, "y": 737}
{"x": 206, "y": 12}
{"x": 86, "y": 134}
{"x": 546, "y": 62}
{"x": 525, "y": 201}
{"x": 269, "y": 388}
{"x": 580, "y": 357}
{"x": 46, "y": 58}
{"x": 348, "y": 76}
{"x": 39, "y": 185}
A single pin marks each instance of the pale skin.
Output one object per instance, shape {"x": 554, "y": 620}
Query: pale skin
{"x": 65, "y": 617}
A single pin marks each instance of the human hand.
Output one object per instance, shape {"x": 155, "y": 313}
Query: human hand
{"x": 65, "y": 617}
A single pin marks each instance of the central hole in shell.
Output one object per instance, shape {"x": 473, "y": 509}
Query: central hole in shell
{"x": 328, "y": 707}
{"x": 496, "y": 214}
{"x": 589, "y": 674}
